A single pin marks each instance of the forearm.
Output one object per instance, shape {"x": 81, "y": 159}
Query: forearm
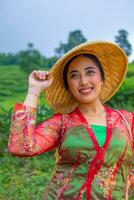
{"x": 31, "y": 100}
{"x": 32, "y": 97}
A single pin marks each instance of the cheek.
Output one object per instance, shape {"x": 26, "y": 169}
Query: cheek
{"x": 97, "y": 79}
{"x": 72, "y": 85}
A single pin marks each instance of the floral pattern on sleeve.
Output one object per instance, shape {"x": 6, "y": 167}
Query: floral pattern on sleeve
{"x": 26, "y": 139}
{"x": 131, "y": 173}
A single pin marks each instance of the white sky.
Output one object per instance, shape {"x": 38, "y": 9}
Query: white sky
{"x": 46, "y": 23}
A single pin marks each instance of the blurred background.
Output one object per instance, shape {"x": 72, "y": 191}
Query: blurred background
{"x": 34, "y": 34}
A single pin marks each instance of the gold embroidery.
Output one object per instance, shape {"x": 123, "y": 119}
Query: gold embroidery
{"x": 106, "y": 180}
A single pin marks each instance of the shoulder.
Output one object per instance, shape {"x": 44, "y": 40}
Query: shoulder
{"x": 57, "y": 115}
{"x": 125, "y": 114}
{"x": 64, "y": 117}
{"x": 123, "y": 111}
{"x": 55, "y": 119}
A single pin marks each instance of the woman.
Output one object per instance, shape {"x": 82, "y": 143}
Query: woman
{"x": 94, "y": 142}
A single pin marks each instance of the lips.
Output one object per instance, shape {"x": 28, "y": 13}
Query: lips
{"x": 85, "y": 90}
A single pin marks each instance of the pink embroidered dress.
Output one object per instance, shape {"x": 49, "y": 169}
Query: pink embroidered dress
{"x": 84, "y": 169}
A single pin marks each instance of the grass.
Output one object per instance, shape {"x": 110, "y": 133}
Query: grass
{"x": 13, "y": 85}
{"x": 25, "y": 178}
{"x": 21, "y": 178}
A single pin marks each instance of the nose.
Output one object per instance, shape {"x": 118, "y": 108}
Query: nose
{"x": 83, "y": 80}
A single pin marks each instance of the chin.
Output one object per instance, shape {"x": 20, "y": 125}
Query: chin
{"x": 87, "y": 100}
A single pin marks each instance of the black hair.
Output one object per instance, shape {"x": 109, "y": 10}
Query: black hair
{"x": 92, "y": 57}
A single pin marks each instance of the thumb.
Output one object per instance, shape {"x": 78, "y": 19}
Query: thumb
{"x": 47, "y": 83}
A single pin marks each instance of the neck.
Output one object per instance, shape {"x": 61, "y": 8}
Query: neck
{"x": 93, "y": 108}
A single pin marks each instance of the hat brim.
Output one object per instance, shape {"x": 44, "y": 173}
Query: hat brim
{"x": 113, "y": 60}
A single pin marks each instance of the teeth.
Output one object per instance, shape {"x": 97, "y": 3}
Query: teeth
{"x": 85, "y": 90}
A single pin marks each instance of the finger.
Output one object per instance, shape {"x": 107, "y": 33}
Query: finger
{"x": 47, "y": 75}
{"x": 47, "y": 83}
{"x": 33, "y": 73}
{"x": 40, "y": 74}
{"x": 44, "y": 75}
{"x": 47, "y": 72}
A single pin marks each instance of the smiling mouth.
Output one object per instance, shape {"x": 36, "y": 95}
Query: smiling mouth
{"x": 86, "y": 90}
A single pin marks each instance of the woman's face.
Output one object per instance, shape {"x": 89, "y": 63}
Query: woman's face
{"x": 84, "y": 79}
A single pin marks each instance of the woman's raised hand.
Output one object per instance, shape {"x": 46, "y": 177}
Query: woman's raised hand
{"x": 39, "y": 80}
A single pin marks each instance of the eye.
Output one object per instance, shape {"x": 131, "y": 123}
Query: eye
{"x": 90, "y": 72}
{"x": 74, "y": 76}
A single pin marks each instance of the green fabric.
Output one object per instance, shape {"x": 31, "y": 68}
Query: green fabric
{"x": 100, "y": 133}
{"x": 77, "y": 152}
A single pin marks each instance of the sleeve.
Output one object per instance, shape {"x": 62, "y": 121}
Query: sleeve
{"x": 131, "y": 172}
{"x": 26, "y": 139}
{"x": 133, "y": 128}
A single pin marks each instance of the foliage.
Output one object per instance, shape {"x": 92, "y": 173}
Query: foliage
{"x": 13, "y": 84}
{"x": 8, "y": 59}
{"x": 30, "y": 59}
{"x": 123, "y": 99}
{"x": 51, "y": 61}
{"x": 122, "y": 40}
{"x": 23, "y": 178}
{"x": 75, "y": 38}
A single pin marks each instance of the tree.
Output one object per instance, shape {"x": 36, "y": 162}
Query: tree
{"x": 8, "y": 59}
{"x": 30, "y": 45}
{"x": 122, "y": 40}
{"x": 30, "y": 59}
{"x": 51, "y": 61}
{"x": 75, "y": 38}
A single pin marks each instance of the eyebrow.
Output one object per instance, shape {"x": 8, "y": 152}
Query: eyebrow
{"x": 85, "y": 69}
